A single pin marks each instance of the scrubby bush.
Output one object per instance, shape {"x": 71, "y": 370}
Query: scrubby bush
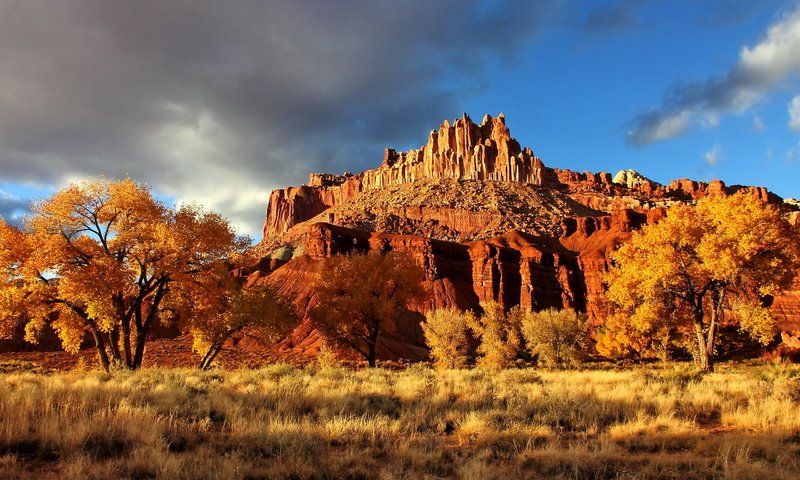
{"x": 499, "y": 334}
{"x": 557, "y": 336}
{"x": 446, "y": 335}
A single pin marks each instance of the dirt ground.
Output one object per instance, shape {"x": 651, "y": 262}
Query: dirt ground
{"x": 175, "y": 352}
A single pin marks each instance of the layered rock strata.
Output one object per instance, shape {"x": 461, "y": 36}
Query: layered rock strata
{"x": 461, "y": 151}
{"x": 465, "y": 151}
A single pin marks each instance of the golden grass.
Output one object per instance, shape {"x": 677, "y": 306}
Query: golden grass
{"x": 287, "y": 422}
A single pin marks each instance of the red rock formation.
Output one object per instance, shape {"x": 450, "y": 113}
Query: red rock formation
{"x": 462, "y": 150}
{"x": 593, "y": 239}
{"x": 685, "y": 189}
{"x": 486, "y": 152}
{"x": 536, "y": 270}
{"x": 511, "y": 269}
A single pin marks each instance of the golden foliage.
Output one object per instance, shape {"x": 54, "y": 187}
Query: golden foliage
{"x": 558, "y": 337}
{"x": 621, "y": 338}
{"x": 446, "y": 335}
{"x": 755, "y": 320}
{"x": 102, "y": 256}
{"x": 685, "y": 270}
{"x": 361, "y": 296}
{"x": 258, "y": 311}
{"x": 499, "y": 334}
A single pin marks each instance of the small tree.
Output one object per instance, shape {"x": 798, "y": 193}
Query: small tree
{"x": 557, "y": 336}
{"x": 686, "y": 270}
{"x": 359, "y": 297}
{"x": 258, "y": 312}
{"x": 446, "y": 335}
{"x": 499, "y": 334}
{"x": 103, "y": 257}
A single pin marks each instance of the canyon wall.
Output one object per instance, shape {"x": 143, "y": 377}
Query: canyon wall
{"x": 464, "y": 150}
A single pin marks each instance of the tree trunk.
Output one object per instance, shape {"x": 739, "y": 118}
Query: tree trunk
{"x": 717, "y": 300}
{"x": 126, "y": 342}
{"x": 143, "y": 327}
{"x": 371, "y": 358}
{"x": 703, "y": 358}
{"x": 372, "y": 346}
{"x": 704, "y": 362}
{"x": 141, "y": 337}
{"x": 101, "y": 347}
{"x": 113, "y": 345}
{"x": 209, "y": 357}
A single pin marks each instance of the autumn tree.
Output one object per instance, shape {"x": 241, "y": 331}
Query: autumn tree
{"x": 724, "y": 254}
{"x": 446, "y": 334}
{"x": 257, "y": 312}
{"x": 499, "y": 335}
{"x": 359, "y": 297}
{"x": 558, "y": 337}
{"x": 103, "y": 257}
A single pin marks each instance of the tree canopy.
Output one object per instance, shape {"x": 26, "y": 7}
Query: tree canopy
{"x": 726, "y": 254}
{"x": 446, "y": 334}
{"x": 499, "y": 334}
{"x": 104, "y": 257}
{"x": 557, "y": 337}
{"x": 257, "y": 312}
{"x": 359, "y": 297}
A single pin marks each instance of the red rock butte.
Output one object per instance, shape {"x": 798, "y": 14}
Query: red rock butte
{"x": 486, "y": 219}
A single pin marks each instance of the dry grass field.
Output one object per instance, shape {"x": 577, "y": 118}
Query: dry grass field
{"x": 286, "y": 422}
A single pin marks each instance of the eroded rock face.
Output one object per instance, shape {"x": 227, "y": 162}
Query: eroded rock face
{"x": 635, "y": 180}
{"x": 484, "y": 217}
{"x": 461, "y": 151}
{"x": 513, "y": 269}
{"x": 465, "y": 151}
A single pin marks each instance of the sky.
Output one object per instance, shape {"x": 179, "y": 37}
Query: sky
{"x": 218, "y": 103}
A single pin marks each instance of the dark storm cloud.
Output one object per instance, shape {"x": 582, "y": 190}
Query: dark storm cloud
{"x": 221, "y": 101}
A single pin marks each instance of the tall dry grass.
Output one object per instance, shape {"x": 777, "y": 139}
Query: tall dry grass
{"x": 286, "y": 422}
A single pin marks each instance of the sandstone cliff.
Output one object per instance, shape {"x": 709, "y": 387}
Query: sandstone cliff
{"x": 484, "y": 217}
{"x": 462, "y": 153}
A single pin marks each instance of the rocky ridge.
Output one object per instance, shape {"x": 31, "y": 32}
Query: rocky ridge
{"x": 465, "y": 151}
{"x": 484, "y": 216}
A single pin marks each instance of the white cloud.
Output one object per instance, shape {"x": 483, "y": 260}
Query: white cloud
{"x": 713, "y": 156}
{"x": 759, "y": 70}
{"x": 794, "y": 113}
{"x": 661, "y": 128}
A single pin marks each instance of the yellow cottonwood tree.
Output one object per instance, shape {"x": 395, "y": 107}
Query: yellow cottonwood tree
{"x": 558, "y": 337}
{"x": 686, "y": 270}
{"x": 257, "y": 312}
{"x": 446, "y": 335}
{"x": 359, "y": 297}
{"x": 104, "y": 255}
{"x": 499, "y": 333}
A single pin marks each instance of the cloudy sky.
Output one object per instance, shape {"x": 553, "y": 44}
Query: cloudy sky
{"x": 218, "y": 102}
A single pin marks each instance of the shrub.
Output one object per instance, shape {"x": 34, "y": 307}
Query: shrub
{"x": 556, "y": 336}
{"x": 499, "y": 335}
{"x": 446, "y": 335}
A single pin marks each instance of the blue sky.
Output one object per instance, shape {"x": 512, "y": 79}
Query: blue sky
{"x": 220, "y": 102}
